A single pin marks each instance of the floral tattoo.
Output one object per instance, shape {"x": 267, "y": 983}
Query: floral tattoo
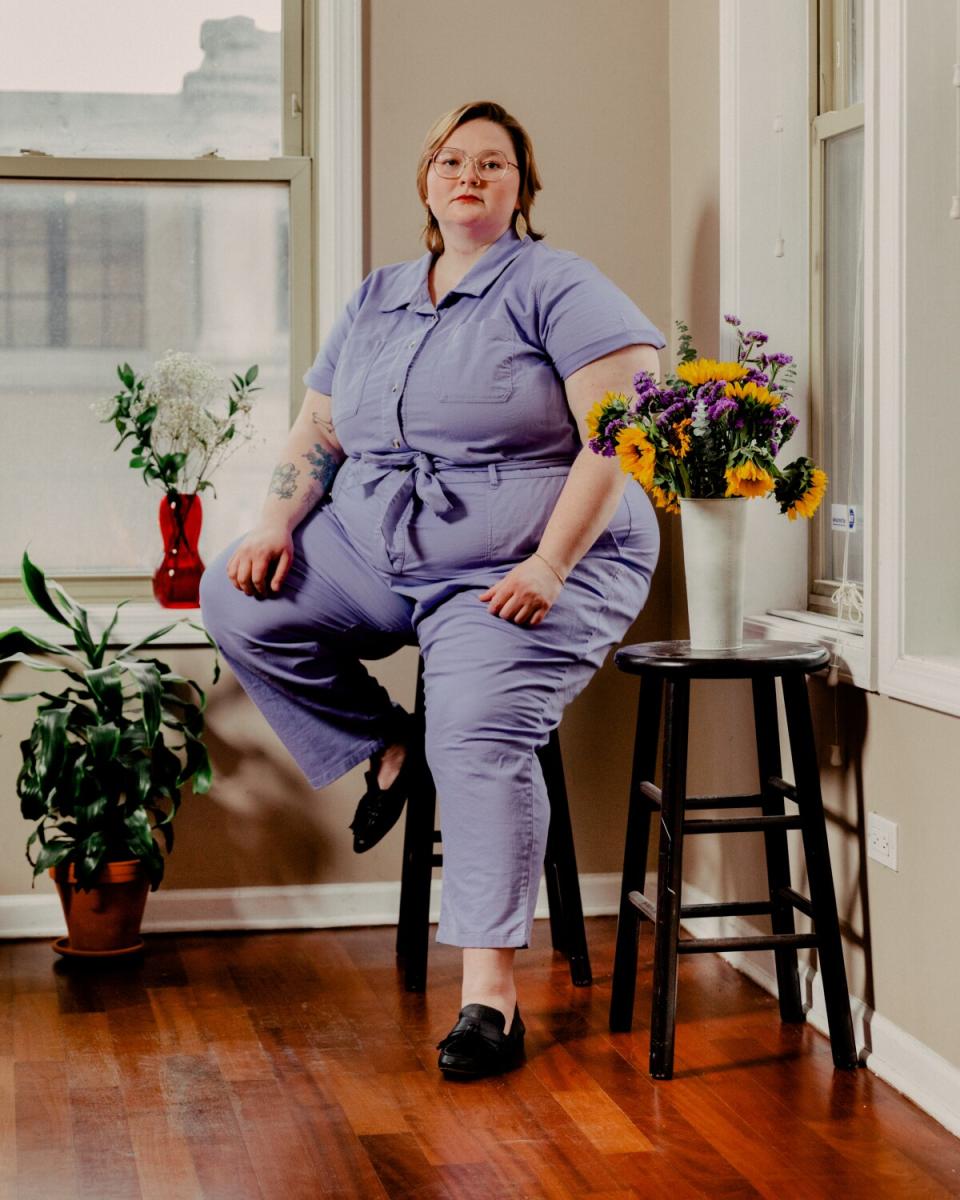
{"x": 323, "y": 466}
{"x": 284, "y": 481}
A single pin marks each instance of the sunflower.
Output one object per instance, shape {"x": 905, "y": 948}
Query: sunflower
{"x": 753, "y": 391}
{"x": 809, "y": 502}
{"x": 595, "y": 415}
{"x": 747, "y": 479}
{"x": 637, "y": 455}
{"x": 681, "y": 449}
{"x": 665, "y": 499}
{"x": 706, "y": 370}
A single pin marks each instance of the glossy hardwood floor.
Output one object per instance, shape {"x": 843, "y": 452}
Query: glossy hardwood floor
{"x": 292, "y": 1065}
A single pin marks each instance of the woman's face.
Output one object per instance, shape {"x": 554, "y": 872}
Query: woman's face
{"x": 478, "y": 208}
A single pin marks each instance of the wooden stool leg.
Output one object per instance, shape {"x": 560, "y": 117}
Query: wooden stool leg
{"x": 563, "y": 881}
{"x": 669, "y": 878}
{"x": 822, "y": 895}
{"x": 635, "y": 849}
{"x": 775, "y": 842}
{"x": 549, "y": 756}
{"x": 413, "y": 921}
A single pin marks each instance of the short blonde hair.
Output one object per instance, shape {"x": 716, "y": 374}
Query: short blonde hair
{"x": 441, "y": 129}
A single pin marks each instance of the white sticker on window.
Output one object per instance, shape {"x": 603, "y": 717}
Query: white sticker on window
{"x": 845, "y": 517}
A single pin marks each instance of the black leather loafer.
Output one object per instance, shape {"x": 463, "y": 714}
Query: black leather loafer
{"x": 380, "y": 808}
{"x": 477, "y": 1045}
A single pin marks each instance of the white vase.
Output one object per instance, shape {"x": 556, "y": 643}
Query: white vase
{"x": 714, "y": 557}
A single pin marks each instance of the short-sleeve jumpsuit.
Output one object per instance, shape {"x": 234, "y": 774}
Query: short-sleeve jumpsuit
{"x": 458, "y": 439}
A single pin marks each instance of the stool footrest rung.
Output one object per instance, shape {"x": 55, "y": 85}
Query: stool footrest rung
{"x": 741, "y": 824}
{"x": 723, "y": 908}
{"x": 781, "y": 786}
{"x": 654, "y": 794}
{"x": 797, "y": 900}
{"x": 770, "y": 941}
{"x": 642, "y": 904}
{"x": 728, "y": 908}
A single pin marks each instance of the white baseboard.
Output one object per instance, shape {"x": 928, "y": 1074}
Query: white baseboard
{"x": 894, "y": 1055}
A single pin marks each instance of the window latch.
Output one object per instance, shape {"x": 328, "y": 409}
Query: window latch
{"x": 295, "y": 109}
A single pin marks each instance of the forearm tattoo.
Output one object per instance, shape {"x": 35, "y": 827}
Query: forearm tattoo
{"x": 284, "y": 481}
{"x": 323, "y": 467}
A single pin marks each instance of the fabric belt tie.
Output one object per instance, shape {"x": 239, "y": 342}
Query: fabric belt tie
{"x": 417, "y": 475}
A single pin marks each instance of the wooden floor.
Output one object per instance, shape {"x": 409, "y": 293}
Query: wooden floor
{"x": 293, "y": 1065}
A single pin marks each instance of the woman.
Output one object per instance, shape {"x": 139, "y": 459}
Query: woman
{"x": 436, "y": 489}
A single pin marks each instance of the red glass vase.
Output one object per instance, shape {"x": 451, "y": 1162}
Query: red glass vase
{"x": 176, "y": 582}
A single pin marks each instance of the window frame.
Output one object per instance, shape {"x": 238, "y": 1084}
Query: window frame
{"x": 321, "y": 82}
{"x": 828, "y": 122}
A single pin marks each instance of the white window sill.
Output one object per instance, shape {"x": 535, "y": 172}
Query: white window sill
{"x": 795, "y": 626}
{"x": 136, "y": 621}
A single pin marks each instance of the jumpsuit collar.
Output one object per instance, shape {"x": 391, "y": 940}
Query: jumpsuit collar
{"x": 410, "y": 286}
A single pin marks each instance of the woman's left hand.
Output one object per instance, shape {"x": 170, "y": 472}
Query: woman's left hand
{"x": 525, "y": 594}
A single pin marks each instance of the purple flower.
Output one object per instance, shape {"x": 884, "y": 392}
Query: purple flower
{"x": 755, "y": 376}
{"x": 738, "y": 423}
{"x": 781, "y": 359}
{"x": 774, "y": 448}
{"x": 755, "y": 335}
{"x": 724, "y": 404}
{"x": 731, "y": 319}
{"x": 643, "y": 382}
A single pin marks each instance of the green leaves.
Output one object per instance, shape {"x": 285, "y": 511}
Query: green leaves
{"x": 100, "y": 777}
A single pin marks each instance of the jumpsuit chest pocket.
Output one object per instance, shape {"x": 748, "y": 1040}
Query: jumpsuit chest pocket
{"x": 359, "y": 354}
{"x": 476, "y": 363}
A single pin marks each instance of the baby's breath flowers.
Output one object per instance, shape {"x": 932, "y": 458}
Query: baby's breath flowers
{"x": 712, "y": 431}
{"x": 182, "y": 418}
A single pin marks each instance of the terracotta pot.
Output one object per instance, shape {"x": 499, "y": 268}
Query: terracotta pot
{"x": 105, "y": 920}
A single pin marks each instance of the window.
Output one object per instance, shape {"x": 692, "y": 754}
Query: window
{"x": 837, "y": 326}
{"x": 147, "y": 202}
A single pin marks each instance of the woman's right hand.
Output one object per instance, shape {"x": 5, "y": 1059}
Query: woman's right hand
{"x": 262, "y": 560}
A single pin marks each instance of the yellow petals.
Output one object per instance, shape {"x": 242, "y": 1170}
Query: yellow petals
{"x": 748, "y": 480}
{"x": 809, "y": 502}
{"x": 592, "y": 418}
{"x": 683, "y": 438}
{"x": 753, "y": 391}
{"x": 704, "y": 370}
{"x": 637, "y": 455}
{"x": 665, "y": 499}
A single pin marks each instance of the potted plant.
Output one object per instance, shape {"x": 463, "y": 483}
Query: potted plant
{"x": 701, "y": 444}
{"x": 103, "y": 767}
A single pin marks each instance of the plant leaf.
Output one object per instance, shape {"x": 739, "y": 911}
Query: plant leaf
{"x": 50, "y": 728}
{"x": 148, "y": 682}
{"x": 35, "y": 585}
{"x": 145, "y": 641}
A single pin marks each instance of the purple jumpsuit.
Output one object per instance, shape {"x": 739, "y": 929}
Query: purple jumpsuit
{"x": 458, "y": 438}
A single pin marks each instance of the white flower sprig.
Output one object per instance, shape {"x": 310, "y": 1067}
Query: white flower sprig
{"x": 180, "y": 437}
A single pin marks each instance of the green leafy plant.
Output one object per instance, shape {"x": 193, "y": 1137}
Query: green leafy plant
{"x": 109, "y": 753}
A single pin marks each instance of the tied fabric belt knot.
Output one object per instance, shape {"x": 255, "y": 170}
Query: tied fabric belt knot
{"x": 416, "y": 476}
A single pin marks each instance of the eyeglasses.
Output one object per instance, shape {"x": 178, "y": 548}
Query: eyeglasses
{"x": 450, "y": 163}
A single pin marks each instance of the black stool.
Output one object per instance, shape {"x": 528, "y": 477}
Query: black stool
{"x": 674, "y": 664}
{"x": 567, "y": 931}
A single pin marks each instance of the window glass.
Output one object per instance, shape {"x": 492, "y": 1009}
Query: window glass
{"x": 843, "y": 352}
{"x": 141, "y": 79}
{"x": 93, "y": 275}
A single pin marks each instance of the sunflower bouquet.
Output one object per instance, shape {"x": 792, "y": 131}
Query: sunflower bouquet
{"x": 712, "y": 430}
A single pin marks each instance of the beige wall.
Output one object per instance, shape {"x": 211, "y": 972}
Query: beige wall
{"x": 590, "y": 84}
{"x": 594, "y": 79}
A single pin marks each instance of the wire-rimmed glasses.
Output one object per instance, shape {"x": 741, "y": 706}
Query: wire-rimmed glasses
{"x": 450, "y": 163}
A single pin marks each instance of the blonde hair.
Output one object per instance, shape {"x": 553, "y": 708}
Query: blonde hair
{"x": 441, "y": 129}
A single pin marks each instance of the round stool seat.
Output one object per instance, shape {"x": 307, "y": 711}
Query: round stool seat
{"x": 746, "y": 662}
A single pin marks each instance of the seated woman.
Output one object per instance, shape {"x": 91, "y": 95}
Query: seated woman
{"x": 436, "y": 489}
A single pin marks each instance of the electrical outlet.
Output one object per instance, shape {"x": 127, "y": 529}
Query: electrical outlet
{"x": 882, "y": 840}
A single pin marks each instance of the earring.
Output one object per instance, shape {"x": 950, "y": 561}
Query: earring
{"x": 521, "y": 226}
